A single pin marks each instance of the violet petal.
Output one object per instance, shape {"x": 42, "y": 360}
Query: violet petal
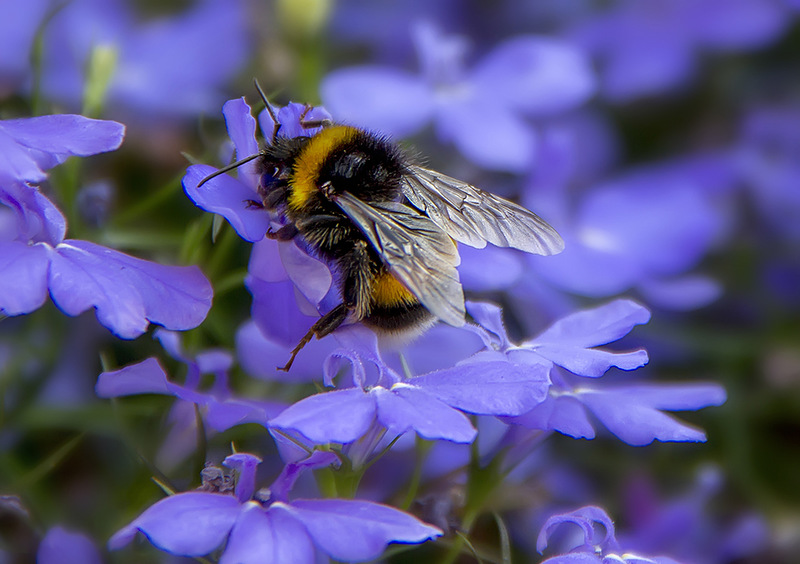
{"x": 489, "y": 388}
{"x": 384, "y": 99}
{"x": 23, "y": 277}
{"x": 353, "y": 530}
{"x": 53, "y": 138}
{"x": 61, "y": 546}
{"x": 146, "y": 377}
{"x": 340, "y": 416}
{"x": 185, "y": 524}
{"x": 127, "y": 292}
{"x": 262, "y": 537}
{"x": 564, "y": 414}
{"x": 539, "y": 75}
{"x": 228, "y": 197}
{"x": 406, "y": 408}
{"x": 242, "y": 130}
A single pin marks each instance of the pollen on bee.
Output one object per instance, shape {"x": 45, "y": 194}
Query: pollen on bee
{"x": 388, "y": 291}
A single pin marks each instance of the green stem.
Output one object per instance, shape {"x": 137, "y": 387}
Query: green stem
{"x": 423, "y": 447}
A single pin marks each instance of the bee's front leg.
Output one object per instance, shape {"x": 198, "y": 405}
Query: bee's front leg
{"x": 285, "y": 233}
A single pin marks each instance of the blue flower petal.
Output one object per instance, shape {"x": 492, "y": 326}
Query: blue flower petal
{"x": 222, "y": 415}
{"x": 596, "y": 326}
{"x": 490, "y": 135}
{"x": 538, "y": 75}
{"x": 228, "y": 197}
{"x": 38, "y": 219}
{"x": 386, "y": 100}
{"x": 564, "y": 414}
{"x": 185, "y": 524}
{"x": 340, "y": 416}
{"x": 61, "y": 546}
{"x": 23, "y": 277}
{"x": 489, "y": 388}
{"x": 284, "y": 483}
{"x": 49, "y": 140}
{"x": 267, "y": 537}
{"x": 632, "y": 412}
{"x": 127, "y": 292}
{"x": 351, "y": 530}
{"x": 406, "y": 408}
{"x": 242, "y": 130}
{"x": 587, "y": 518}
{"x": 682, "y": 293}
{"x": 260, "y": 356}
{"x": 146, "y": 377}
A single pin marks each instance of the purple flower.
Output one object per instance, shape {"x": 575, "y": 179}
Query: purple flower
{"x": 596, "y": 545}
{"x": 569, "y": 342}
{"x": 768, "y": 161}
{"x": 35, "y": 259}
{"x": 30, "y": 146}
{"x": 629, "y": 37}
{"x": 259, "y": 356}
{"x": 61, "y": 546}
{"x": 685, "y": 526}
{"x": 229, "y": 196}
{"x": 127, "y": 292}
{"x": 289, "y": 287}
{"x": 631, "y": 412}
{"x": 17, "y": 32}
{"x": 157, "y": 72}
{"x": 523, "y": 77}
{"x": 642, "y": 230}
{"x": 384, "y": 403}
{"x": 221, "y": 410}
{"x": 266, "y": 526}
{"x": 431, "y": 405}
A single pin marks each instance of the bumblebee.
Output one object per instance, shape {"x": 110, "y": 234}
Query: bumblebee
{"x": 387, "y": 226}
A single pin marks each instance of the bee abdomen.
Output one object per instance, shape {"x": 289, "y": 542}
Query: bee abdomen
{"x": 405, "y": 318}
{"x": 394, "y": 308}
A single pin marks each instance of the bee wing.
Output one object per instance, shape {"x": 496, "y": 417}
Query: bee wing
{"x": 416, "y": 252}
{"x": 475, "y": 217}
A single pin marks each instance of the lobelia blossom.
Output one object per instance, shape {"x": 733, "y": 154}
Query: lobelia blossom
{"x": 686, "y": 526}
{"x": 767, "y": 158}
{"x": 155, "y": 61}
{"x": 35, "y": 259}
{"x": 266, "y": 526}
{"x": 598, "y": 543}
{"x": 288, "y": 285}
{"x": 61, "y": 546}
{"x": 17, "y": 32}
{"x": 646, "y": 48}
{"x": 219, "y": 408}
{"x": 632, "y": 412}
{"x": 386, "y": 404}
{"x": 528, "y": 76}
{"x": 30, "y": 146}
{"x": 645, "y": 229}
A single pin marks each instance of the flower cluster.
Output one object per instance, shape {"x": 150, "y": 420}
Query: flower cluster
{"x": 659, "y": 139}
{"x": 128, "y": 293}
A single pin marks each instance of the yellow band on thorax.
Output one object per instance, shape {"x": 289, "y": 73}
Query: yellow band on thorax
{"x": 308, "y": 165}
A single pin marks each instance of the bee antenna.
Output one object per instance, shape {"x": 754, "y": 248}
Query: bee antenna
{"x": 228, "y": 168}
{"x": 276, "y": 127}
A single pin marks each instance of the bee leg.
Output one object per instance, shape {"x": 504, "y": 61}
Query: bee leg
{"x": 285, "y": 233}
{"x": 312, "y": 123}
{"x": 274, "y": 196}
{"x": 253, "y": 205}
{"x": 325, "y": 325}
